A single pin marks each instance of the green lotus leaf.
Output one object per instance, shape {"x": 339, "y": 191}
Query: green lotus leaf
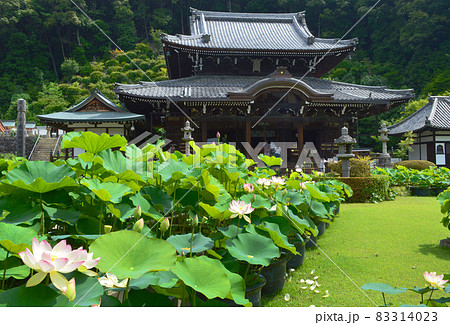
{"x": 144, "y": 298}
{"x": 37, "y": 296}
{"x": 164, "y": 279}
{"x": 39, "y": 177}
{"x": 204, "y": 275}
{"x": 215, "y": 212}
{"x": 270, "y": 161}
{"x": 182, "y": 243}
{"x": 69, "y": 216}
{"x": 172, "y": 170}
{"x": 407, "y": 305}
{"x": 113, "y": 160}
{"x": 107, "y": 191}
{"x": 258, "y": 201}
{"x": 316, "y": 193}
{"x": 231, "y": 231}
{"x": 91, "y": 142}
{"x": 14, "y": 267}
{"x": 318, "y": 209}
{"x": 146, "y": 207}
{"x": 383, "y": 287}
{"x": 159, "y": 198}
{"x": 301, "y": 224}
{"x": 133, "y": 254}
{"x": 253, "y": 248}
{"x": 277, "y": 236}
{"x": 15, "y": 239}
{"x": 237, "y": 290}
{"x": 420, "y": 290}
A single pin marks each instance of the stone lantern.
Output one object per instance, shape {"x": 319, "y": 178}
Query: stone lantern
{"x": 187, "y": 137}
{"x": 384, "y": 159}
{"x": 345, "y": 145}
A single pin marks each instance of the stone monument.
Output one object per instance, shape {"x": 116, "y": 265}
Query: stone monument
{"x": 21, "y": 130}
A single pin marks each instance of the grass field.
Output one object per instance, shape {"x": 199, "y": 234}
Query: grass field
{"x": 391, "y": 242}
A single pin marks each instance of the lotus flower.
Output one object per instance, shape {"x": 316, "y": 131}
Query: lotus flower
{"x": 249, "y": 188}
{"x": 436, "y": 281}
{"x": 60, "y": 259}
{"x": 241, "y": 209}
{"x": 111, "y": 281}
{"x": 264, "y": 182}
{"x": 277, "y": 181}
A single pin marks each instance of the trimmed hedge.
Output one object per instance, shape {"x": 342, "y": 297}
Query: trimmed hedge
{"x": 415, "y": 164}
{"x": 367, "y": 189}
{"x": 358, "y": 168}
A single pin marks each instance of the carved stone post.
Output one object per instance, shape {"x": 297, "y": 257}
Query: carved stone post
{"x": 21, "y": 131}
{"x": 345, "y": 145}
{"x": 187, "y": 137}
{"x": 384, "y": 159}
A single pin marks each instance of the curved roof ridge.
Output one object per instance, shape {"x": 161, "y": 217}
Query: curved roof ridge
{"x": 410, "y": 116}
{"x": 240, "y": 15}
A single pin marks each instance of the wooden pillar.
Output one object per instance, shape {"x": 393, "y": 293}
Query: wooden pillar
{"x": 300, "y": 140}
{"x": 204, "y": 131}
{"x": 248, "y": 131}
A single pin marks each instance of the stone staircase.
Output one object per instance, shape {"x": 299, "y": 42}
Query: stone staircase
{"x": 44, "y": 149}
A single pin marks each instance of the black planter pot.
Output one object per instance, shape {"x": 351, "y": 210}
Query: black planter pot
{"x": 297, "y": 260}
{"x": 275, "y": 275}
{"x": 438, "y": 190}
{"x": 253, "y": 293}
{"x": 311, "y": 242}
{"x": 419, "y": 191}
{"x": 321, "y": 227}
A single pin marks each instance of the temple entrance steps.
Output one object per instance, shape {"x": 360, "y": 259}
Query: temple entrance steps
{"x": 43, "y": 149}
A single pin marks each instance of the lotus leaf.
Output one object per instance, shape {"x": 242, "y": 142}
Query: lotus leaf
{"x": 15, "y": 239}
{"x": 270, "y": 161}
{"x": 253, "y": 248}
{"x": 20, "y": 212}
{"x": 382, "y": 287}
{"x": 164, "y": 279}
{"x": 205, "y": 275}
{"x": 258, "y": 200}
{"x": 146, "y": 207}
{"x": 277, "y": 236}
{"x": 316, "y": 194}
{"x": 37, "y": 296}
{"x": 172, "y": 170}
{"x": 182, "y": 243}
{"x": 231, "y": 231}
{"x": 133, "y": 255}
{"x": 91, "y": 142}
{"x": 107, "y": 191}
{"x": 89, "y": 290}
{"x": 40, "y": 177}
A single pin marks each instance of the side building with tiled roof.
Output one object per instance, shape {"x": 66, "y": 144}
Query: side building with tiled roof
{"x": 431, "y": 130}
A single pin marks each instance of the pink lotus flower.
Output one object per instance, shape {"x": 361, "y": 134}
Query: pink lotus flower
{"x": 264, "y": 182}
{"x": 241, "y": 209}
{"x": 249, "y": 188}
{"x": 436, "y": 281}
{"x": 218, "y": 134}
{"x": 60, "y": 259}
{"x": 110, "y": 281}
{"x": 277, "y": 181}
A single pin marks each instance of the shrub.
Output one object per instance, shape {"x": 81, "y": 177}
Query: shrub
{"x": 359, "y": 167}
{"x": 367, "y": 189}
{"x": 416, "y": 164}
{"x": 69, "y": 68}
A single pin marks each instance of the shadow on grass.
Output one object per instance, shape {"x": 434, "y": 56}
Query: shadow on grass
{"x": 436, "y": 250}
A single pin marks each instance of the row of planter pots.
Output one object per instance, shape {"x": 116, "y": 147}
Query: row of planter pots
{"x": 273, "y": 277}
{"x": 425, "y": 191}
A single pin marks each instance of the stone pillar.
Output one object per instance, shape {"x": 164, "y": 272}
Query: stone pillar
{"x": 384, "y": 159}
{"x": 21, "y": 131}
{"x": 345, "y": 145}
{"x": 187, "y": 137}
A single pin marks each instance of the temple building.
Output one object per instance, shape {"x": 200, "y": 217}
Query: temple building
{"x": 255, "y": 78}
{"x": 431, "y": 131}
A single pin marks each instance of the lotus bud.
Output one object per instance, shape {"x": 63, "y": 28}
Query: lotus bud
{"x": 165, "y": 224}
{"x": 195, "y": 221}
{"x": 287, "y": 200}
{"x": 137, "y": 212}
{"x": 218, "y": 135}
{"x": 70, "y": 292}
{"x": 138, "y": 225}
{"x": 107, "y": 229}
{"x": 284, "y": 192}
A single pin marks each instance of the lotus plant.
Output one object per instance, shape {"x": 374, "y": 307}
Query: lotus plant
{"x": 264, "y": 182}
{"x": 46, "y": 260}
{"x": 277, "y": 181}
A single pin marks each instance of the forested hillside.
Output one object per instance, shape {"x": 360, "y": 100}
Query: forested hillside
{"x": 52, "y": 55}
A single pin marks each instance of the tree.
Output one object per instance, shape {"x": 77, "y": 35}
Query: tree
{"x": 69, "y": 68}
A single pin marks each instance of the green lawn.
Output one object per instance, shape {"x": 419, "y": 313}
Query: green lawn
{"x": 391, "y": 242}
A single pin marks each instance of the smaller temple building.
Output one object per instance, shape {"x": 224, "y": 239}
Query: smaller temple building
{"x": 431, "y": 130}
{"x": 96, "y": 114}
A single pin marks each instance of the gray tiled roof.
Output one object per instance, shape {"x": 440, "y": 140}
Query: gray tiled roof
{"x": 435, "y": 114}
{"x": 207, "y": 87}
{"x": 231, "y": 31}
{"x": 77, "y": 117}
{"x": 95, "y": 94}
